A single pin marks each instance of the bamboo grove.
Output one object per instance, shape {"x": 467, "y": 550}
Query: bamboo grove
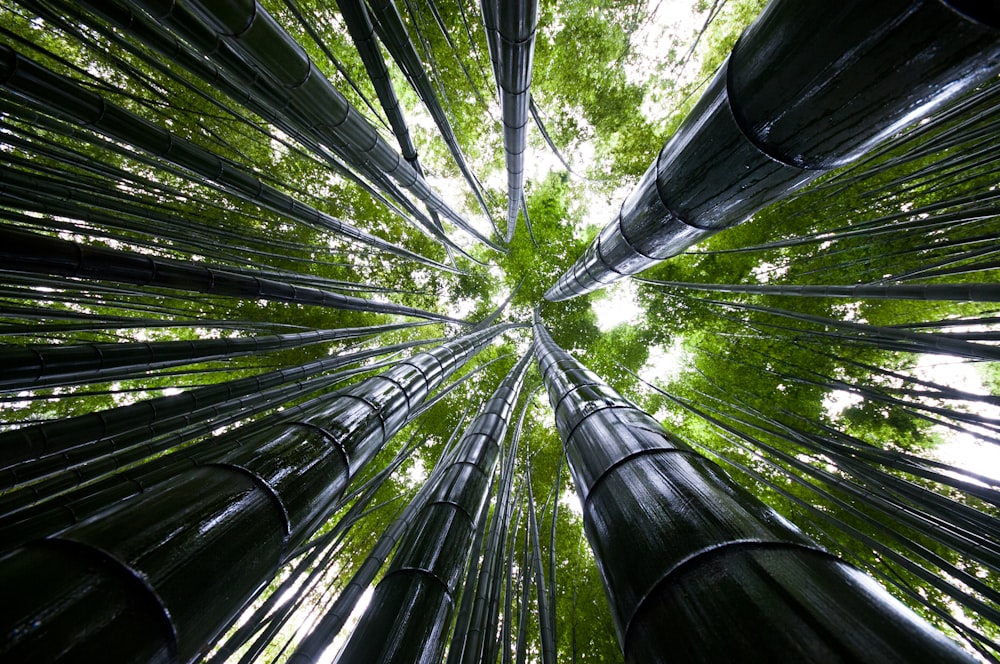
{"x": 499, "y": 331}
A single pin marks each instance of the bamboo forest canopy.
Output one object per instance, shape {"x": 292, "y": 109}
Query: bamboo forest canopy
{"x": 284, "y": 286}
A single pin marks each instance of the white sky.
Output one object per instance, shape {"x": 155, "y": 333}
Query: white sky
{"x": 962, "y": 449}
{"x": 617, "y": 305}
{"x": 332, "y": 650}
{"x": 665, "y": 363}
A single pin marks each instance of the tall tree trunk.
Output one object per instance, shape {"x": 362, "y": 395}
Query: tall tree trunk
{"x": 156, "y": 577}
{"x": 806, "y": 89}
{"x": 696, "y": 568}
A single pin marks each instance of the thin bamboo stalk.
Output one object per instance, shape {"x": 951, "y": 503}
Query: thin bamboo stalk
{"x": 35, "y": 366}
{"x": 59, "y": 95}
{"x": 33, "y": 253}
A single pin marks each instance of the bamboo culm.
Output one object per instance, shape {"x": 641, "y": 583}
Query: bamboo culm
{"x": 806, "y": 89}
{"x": 410, "y": 612}
{"x": 697, "y": 568}
{"x": 156, "y": 575}
{"x": 52, "y": 93}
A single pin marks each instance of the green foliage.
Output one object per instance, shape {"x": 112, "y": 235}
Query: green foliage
{"x": 553, "y": 219}
{"x": 580, "y": 77}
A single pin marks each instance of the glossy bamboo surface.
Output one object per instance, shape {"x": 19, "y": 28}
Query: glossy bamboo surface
{"x": 250, "y": 30}
{"x": 33, "y": 253}
{"x": 62, "y": 364}
{"x": 410, "y": 613}
{"x": 57, "y": 95}
{"x": 204, "y": 541}
{"x": 510, "y": 25}
{"x": 696, "y": 569}
{"x": 808, "y": 87}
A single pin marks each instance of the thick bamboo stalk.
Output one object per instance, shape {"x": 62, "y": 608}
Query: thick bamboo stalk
{"x": 482, "y": 608}
{"x": 49, "y": 516}
{"x": 276, "y": 609}
{"x": 470, "y": 600}
{"x": 807, "y": 88}
{"x": 510, "y": 26}
{"x": 40, "y": 512}
{"x": 156, "y": 577}
{"x": 410, "y": 613}
{"x": 43, "y": 449}
{"x": 332, "y": 621}
{"x": 948, "y": 292}
{"x": 696, "y": 568}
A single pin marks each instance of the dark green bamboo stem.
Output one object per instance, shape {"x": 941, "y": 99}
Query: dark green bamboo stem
{"x": 35, "y": 366}
{"x": 482, "y": 608}
{"x": 54, "y": 439}
{"x": 410, "y": 612}
{"x": 32, "y": 253}
{"x": 948, "y": 292}
{"x": 695, "y": 567}
{"x": 52, "y": 93}
{"x": 389, "y": 25}
{"x": 469, "y": 594}
{"x": 79, "y": 447}
{"x": 51, "y": 515}
{"x": 251, "y": 32}
{"x": 249, "y": 90}
{"x": 359, "y": 25}
{"x": 807, "y": 88}
{"x": 29, "y": 512}
{"x": 336, "y": 615}
{"x": 510, "y": 30}
{"x": 156, "y": 577}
